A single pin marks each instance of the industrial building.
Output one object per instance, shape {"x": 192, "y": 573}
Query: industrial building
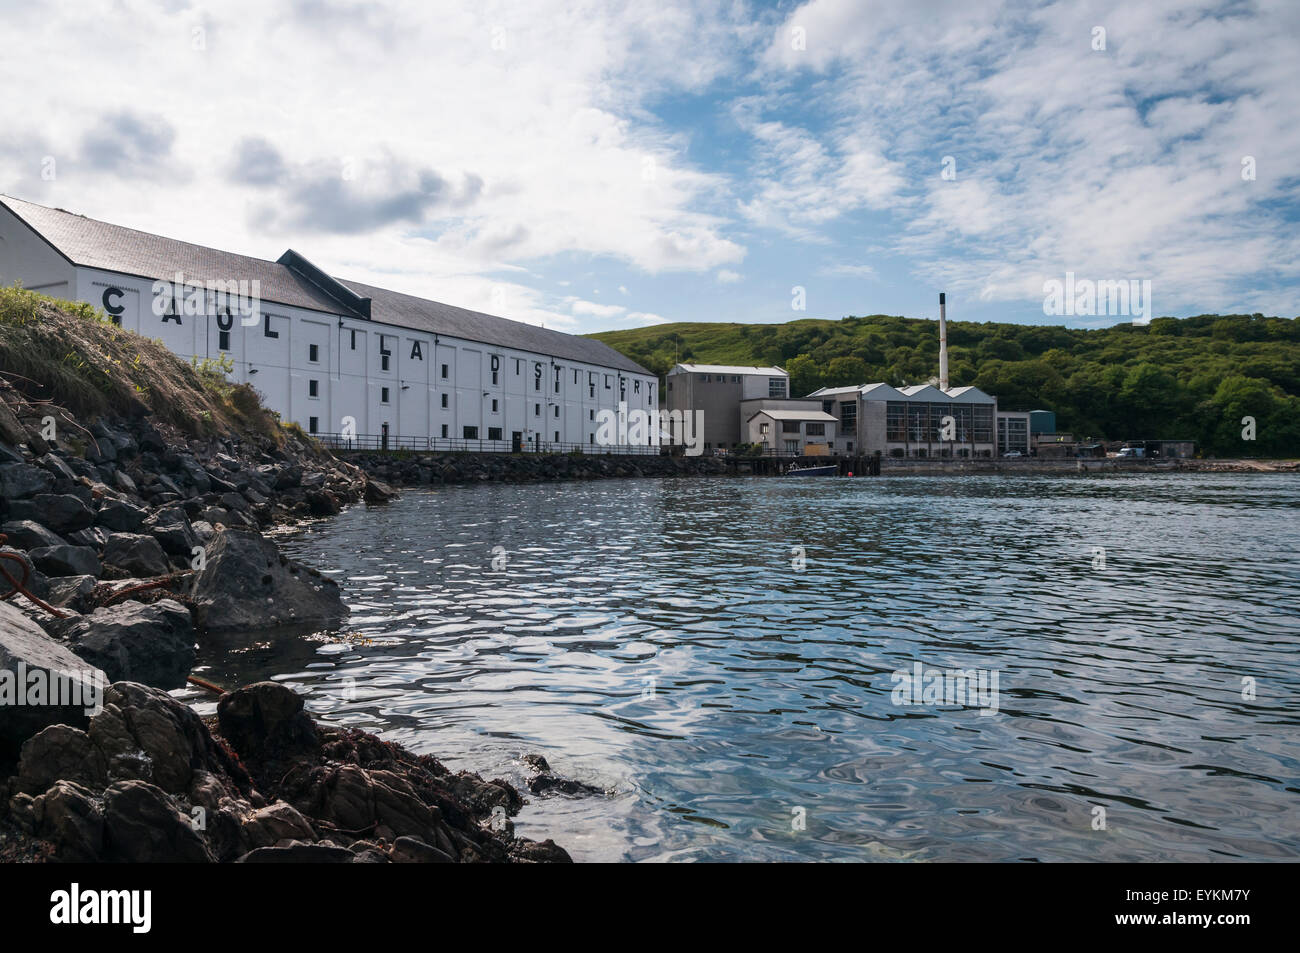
{"x": 718, "y": 391}
{"x": 917, "y": 421}
{"x": 1013, "y": 432}
{"x": 350, "y": 362}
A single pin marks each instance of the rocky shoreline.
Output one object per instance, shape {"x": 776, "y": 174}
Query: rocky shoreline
{"x": 126, "y": 542}
{"x": 439, "y": 469}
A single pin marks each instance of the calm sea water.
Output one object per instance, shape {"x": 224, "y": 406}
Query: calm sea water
{"x": 656, "y": 638}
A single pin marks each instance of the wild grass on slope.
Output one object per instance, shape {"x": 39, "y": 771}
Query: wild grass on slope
{"x": 72, "y": 354}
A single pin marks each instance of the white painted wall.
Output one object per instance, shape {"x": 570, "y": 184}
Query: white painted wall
{"x": 27, "y": 259}
{"x": 272, "y": 350}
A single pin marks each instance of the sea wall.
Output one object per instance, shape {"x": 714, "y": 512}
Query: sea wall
{"x": 435, "y": 469}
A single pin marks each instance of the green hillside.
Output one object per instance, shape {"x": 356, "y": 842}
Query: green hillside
{"x": 1176, "y": 378}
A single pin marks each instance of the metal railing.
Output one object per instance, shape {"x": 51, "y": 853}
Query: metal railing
{"x": 392, "y": 442}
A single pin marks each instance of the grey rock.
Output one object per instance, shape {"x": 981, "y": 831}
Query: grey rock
{"x": 265, "y": 721}
{"x": 70, "y": 817}
{"x": 71, "y": 592}
{"x": 144, "y": 733}
{"x": 248, "y": 584}
{"x": 299, "y": 853}
{"x": 21, "y": 480}
{"x": 412, "y": 850}
{"x": 66, "y": 560}
{"x": 28, "y": 534}
{"x": 61, "y": 512}
{"x": 135, "y": 554}
{"x": 56, "y": 466}
{"x": 121, "y": 516}
{"x": 93, "y": 536}
{"x": 277, "y": 822}
{"x": 123, "y": 482}
{"x": 24, "y": 649}
{"x": 142, "y": 824}
{"x": 134, "y": 642}
{"x": 60, "y": 753}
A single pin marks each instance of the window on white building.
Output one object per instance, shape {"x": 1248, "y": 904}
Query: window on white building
{"x": 383, "y": 395}
{"x": 313, "y": 388}
{"x": 313, "y": 353}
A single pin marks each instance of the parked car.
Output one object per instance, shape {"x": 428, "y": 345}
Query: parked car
{"x": 1012, "y": 453}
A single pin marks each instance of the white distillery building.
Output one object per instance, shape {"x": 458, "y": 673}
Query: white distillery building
{"x": 338, "y": 357}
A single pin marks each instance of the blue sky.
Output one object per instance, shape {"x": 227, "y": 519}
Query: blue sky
{"x": 594, "y": 166}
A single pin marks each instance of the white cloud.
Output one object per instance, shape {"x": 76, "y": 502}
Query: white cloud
{"x": 593, "y": 309}
{"x": 1117, "y": 163}
{"x": 466, "y": 158}
{"x": 728, "y": 277}
{"x": 646, "y": 317}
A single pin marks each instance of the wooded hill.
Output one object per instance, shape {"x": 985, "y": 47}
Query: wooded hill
{"x": 1174, "y": 378}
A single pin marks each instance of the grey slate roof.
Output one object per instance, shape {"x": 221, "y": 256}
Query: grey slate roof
{"x": 93, "y": 244}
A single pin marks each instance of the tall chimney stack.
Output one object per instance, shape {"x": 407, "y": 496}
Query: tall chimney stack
{"x": 943, "y": 344}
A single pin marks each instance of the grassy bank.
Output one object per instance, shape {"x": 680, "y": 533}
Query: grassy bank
{"x": 70, "y": 354}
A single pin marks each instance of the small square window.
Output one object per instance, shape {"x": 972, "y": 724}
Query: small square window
{"x": 471, "y": 433}
{"x": 494, "y": 433}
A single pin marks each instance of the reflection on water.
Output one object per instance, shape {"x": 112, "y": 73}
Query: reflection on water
{"x": 652, "y": 637}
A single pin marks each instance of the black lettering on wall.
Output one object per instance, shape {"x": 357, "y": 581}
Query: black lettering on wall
{"x": 416, "y": 353}
{"x": 172, "y": 314}
{"x": 113, "y": 308}
{"x": 266, "y": 327}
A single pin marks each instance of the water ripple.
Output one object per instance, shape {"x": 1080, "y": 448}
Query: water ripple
{"x": 659, "y": 638}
